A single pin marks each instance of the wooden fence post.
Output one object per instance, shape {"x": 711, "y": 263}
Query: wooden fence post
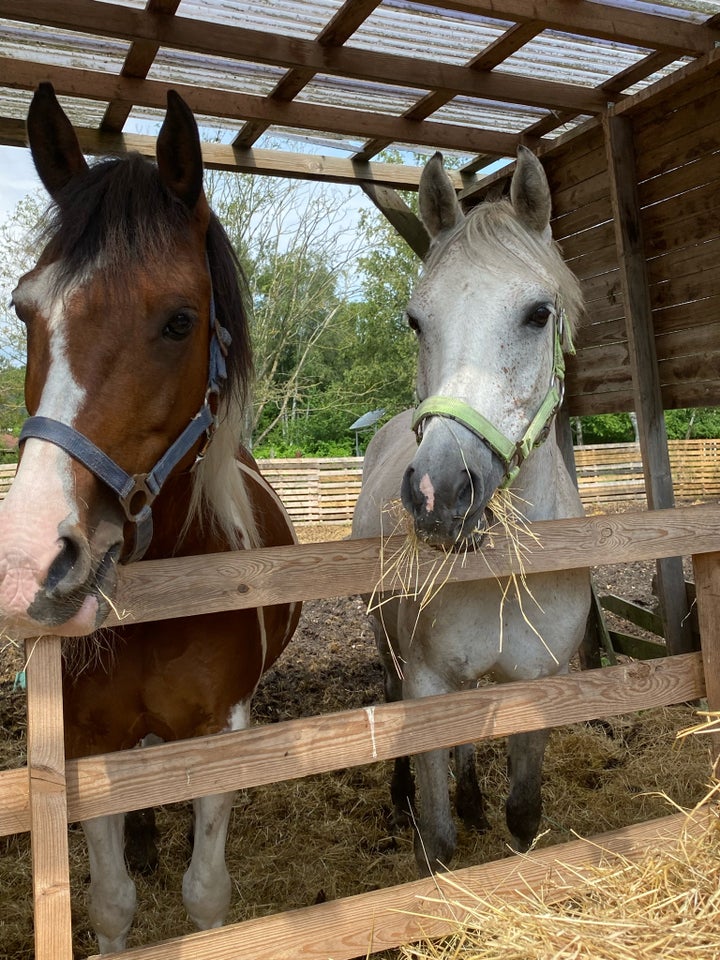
{"x": 48, "y": 800}
{"x": 707, "y": 586}
{"x": 627, "y": 215}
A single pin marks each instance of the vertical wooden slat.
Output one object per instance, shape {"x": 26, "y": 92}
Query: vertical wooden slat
{"x": 707, "y": 586}
{"x": 48, "y": 800}
{"x": 622, "y": 170}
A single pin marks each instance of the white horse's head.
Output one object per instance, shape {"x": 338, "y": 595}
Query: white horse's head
{"x": 491, "y": 313}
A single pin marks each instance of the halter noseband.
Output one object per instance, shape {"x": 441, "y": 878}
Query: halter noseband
{"x": 136, "y": 492}
{"x": 512, "y": 453}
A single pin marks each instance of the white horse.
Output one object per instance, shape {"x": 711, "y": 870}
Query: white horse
{"x": 492, "y": 312}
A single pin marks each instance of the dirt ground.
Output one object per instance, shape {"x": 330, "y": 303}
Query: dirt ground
{"x": 330, "y": 836}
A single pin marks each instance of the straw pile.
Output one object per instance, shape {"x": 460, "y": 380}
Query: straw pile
{"x": 664, "y": 905}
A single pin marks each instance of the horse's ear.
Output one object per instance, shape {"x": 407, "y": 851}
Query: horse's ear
{"x": 530, "y": 193}
{"x": 179, "y": 156}
{"x": 53, "y": 143}
{"x": 439, "y": 207}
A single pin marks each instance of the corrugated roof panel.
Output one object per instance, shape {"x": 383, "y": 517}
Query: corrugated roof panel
{"x": 488, "y": 115}
{"x": 65, "y": 48}
{"x": 179, "y": 66}
{"x": 565, "y": 59}
{"x": 426, "y": 34}
{"x": 344, "y": 92}
{"x": 294, "y": 18}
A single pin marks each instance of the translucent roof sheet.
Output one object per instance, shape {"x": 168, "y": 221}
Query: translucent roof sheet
{"x": 348, "y": 77}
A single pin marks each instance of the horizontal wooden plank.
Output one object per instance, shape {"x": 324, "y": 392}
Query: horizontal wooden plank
{"x": 431, "y": 908}
{"x": 132, "y": 779}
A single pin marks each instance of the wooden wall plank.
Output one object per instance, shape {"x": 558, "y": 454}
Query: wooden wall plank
{"x": 707, "y": 585}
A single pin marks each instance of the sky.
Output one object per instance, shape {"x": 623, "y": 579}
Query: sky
{"x": 17, "y": 177}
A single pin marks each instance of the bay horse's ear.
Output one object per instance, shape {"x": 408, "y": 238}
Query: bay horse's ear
{"x": 179, "y": 156}
{"x": 53, "y": 143}
{"x": 530, "y": 193}
{"x": 439, "y": 208}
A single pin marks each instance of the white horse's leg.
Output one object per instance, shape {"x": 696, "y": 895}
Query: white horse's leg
{"x": 435, "y": 834}
{"x": 111, "y": 900}
{"x": 402, "y": 785}
{"x": 468, "y": 797}
{"x": 524, "y": 803}
{"x": 206, "y": 885}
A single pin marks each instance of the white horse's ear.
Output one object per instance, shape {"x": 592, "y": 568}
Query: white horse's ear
{"x": 530, "y": 193}
{"x": 439, "y": 208}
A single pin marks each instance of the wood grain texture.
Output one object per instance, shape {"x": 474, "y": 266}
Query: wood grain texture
{"x": 707, "y": 592}
{"x": 48, "y": 801}
{"x": 382, "y": 919}
{"x": 182, "y": 586}
{"x": 171, "y": 772}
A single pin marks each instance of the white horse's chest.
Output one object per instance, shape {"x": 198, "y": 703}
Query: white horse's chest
{"x": 515, "y": 632}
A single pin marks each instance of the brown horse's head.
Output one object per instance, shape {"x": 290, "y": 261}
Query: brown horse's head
{"x": 118, "y": 317}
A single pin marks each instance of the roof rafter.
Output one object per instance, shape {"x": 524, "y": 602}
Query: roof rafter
{"x": 95, "y": 85}
{"x": 111, "y": 20}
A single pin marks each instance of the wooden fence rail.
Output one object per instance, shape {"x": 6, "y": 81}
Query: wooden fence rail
{"x": 325, "y": 490}
{"x": 47, "y": 793}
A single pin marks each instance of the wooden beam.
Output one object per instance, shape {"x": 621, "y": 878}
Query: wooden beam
{"x": 620, "y": 153}
{"x": 263, "y": 754}
{"x": 25, "y": 75}
{"x": 406, "y": 222}
{"x": 707, "y": 585}
{"x": 138, "y": 61}
{"x": 491, "y": 57}
{"x": 346, "y": 21}
{"x": 269, "y": 163}
{"x": 239, "y": 43}
{"x": 583, "y": 17}
{"x": 48, "y": 800}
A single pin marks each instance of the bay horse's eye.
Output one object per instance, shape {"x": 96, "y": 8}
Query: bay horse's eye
{"x": 539, "y": 315}
{"x": 179, "y": 326}
{"x": 413, "y": 322}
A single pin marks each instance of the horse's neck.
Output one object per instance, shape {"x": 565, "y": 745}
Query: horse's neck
{"x": 169, "y": 512}
{"x": 546, "y": 485}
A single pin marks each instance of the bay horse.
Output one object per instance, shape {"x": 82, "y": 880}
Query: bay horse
{"x": 138, "y": 372}
{"x": 493, "y": 312}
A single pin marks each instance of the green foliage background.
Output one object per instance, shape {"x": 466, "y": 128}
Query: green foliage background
{"x": 330, "y": 337}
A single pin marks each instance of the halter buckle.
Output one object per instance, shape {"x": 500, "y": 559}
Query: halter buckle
{"x": 136, "y": 499}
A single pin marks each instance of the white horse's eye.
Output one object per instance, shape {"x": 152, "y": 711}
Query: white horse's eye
{"x": 413, "y": 322}
{"x": 539, "y": 315}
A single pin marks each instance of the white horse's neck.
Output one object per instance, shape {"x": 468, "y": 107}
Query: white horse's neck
{"x": 545, "y": 484}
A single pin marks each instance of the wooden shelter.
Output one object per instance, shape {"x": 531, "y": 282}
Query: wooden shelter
{"x": 618, "y": 98}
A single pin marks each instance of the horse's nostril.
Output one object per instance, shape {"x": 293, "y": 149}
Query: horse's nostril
{"x": 62, "y": 576}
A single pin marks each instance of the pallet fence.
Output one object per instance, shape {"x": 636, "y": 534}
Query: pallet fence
{"x": 44, "y": 796}
{"x": 325, "y": 490}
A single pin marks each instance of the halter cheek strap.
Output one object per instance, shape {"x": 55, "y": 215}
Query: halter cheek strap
{"x": 136, "y": 492}
{"x": 510, "y": 452}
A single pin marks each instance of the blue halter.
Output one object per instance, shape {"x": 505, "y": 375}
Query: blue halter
{"x": 136, "y": 492}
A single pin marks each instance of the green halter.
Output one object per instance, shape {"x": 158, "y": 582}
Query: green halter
{"x": 510, "y": 452}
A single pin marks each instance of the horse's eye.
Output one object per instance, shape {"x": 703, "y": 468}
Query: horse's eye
{"x": 413, "y": 322}
{"x": 539, "y": 316}
{"x": 178, "y": 326}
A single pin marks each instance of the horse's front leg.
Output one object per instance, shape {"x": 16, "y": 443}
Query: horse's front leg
{"x": 523, "y": 809}
{"x": 435, "y": 834}
{"x": 111, "y": 900}
{"x": 206, "y": 885}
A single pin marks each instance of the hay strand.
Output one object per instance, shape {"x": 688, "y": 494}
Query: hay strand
{"x": 665, "y": 904}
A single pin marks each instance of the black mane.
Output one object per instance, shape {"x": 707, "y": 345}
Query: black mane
{"x": 119, "y": 215}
